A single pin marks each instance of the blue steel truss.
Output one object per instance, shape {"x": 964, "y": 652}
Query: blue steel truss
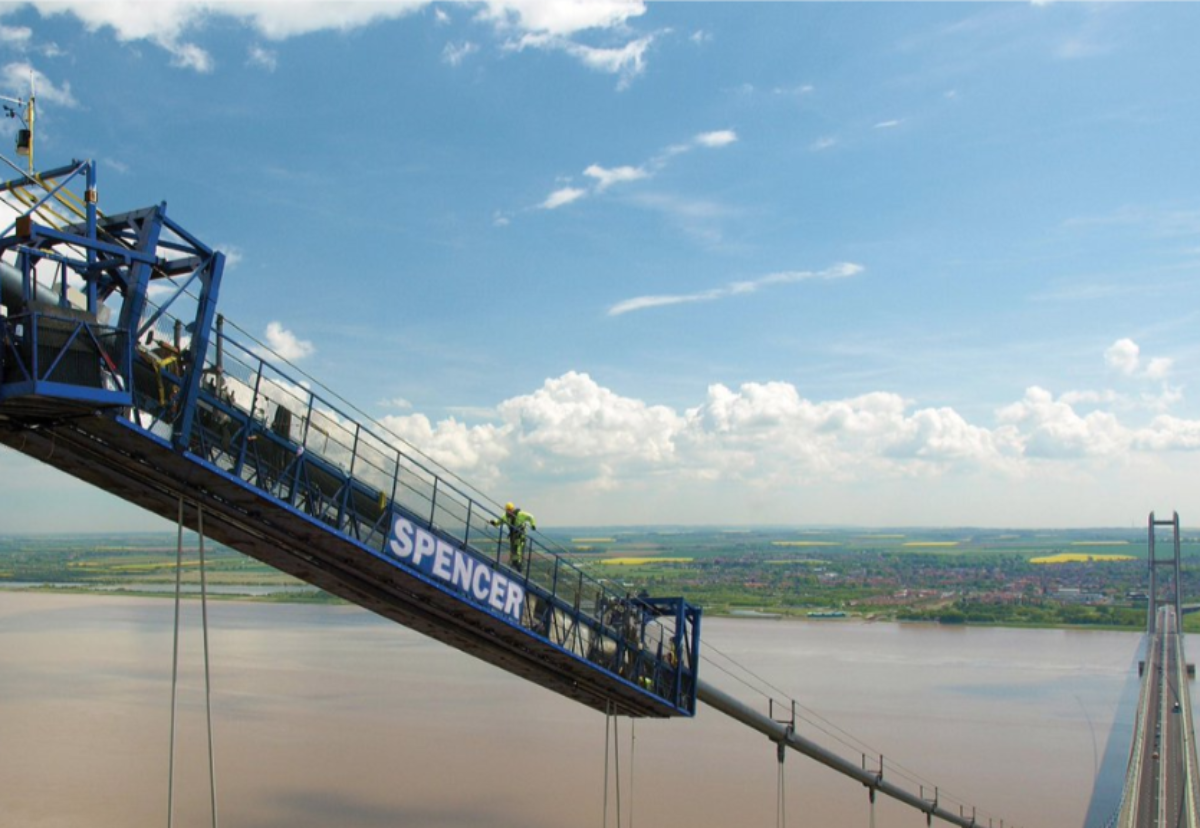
{"x": 155, "y": 401}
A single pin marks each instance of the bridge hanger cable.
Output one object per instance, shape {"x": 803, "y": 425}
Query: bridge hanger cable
{"x": 632, "y": 757}
{"x": 780, "y": 796}
{"x": 212, "y": 767}
{"x": 608, "y": 717}
{"x": 212, "y": 761}
{"x": 175, "y": 669}
{"x": 617, "y": 767}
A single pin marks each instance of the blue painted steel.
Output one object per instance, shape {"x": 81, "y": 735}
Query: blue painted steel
{"x": 650, "y": 643}
{"x": 225, "y": 410}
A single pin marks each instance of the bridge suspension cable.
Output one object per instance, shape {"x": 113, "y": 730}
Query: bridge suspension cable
{"x": 785, "y": 736}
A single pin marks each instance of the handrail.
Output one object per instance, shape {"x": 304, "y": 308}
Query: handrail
{"x": 296, "y": 444}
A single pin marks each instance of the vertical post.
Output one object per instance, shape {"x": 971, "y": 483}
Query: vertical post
{"x": 31, "y": 115}
{"x": 89, "y": 199}
{"x": 396, "y": 477}
{"x": 251, "y": 425}
{"x": 1178, "y": 582}
{"x": 354, "y": 450}
{"x": 307, "y": 421}
{"x": 1152, "y": 595}
{"x": 206, "y": 311}
{"x": 220, "y": 347}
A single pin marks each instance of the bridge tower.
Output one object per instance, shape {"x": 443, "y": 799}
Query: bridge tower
{"x": 1152, "y": 602}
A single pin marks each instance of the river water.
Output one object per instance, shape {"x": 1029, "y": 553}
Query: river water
{"x": 329, "y": 716}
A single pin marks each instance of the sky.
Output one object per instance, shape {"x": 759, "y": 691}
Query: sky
{"x": 699, "y": 263}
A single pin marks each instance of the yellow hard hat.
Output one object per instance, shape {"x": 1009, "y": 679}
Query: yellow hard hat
{"x": 508, "y": 507}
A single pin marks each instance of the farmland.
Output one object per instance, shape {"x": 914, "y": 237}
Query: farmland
{"x": 1012, "y": 577}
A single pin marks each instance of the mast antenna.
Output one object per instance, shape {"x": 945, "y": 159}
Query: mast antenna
{"x": 25, "y": 111}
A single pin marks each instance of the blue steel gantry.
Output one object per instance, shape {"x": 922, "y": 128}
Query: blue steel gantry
{"x": 116, "y": 368}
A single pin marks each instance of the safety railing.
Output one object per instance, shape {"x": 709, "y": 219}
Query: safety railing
{"x": 264, "y": 426}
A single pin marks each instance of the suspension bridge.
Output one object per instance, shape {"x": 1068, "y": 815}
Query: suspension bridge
{"x": 1161, "y": 785}
{"x": 116, "y": 368}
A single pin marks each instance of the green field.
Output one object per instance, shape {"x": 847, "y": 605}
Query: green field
{"x": 1095, "y": 577}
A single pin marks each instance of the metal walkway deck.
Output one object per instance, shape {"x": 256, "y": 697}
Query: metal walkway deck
{"x": 161, "y": 405}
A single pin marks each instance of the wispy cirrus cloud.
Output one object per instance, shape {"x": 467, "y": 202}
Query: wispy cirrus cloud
{"x": 263, "y": 58}
{"x": 719, "y": 138}
{"x": 455, "y": 53}
{"x": 607, "y": 177}
{"x": 562, "y": 197}
{"x": 18, "y": 36}
{"x": 740, "y": 288}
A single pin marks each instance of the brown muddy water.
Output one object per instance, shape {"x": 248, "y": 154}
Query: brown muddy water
{"x": 329, "y": 716}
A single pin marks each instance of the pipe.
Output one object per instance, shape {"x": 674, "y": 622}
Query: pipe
{"x": 12, "y": 290}
{"x": 784, "y": 735}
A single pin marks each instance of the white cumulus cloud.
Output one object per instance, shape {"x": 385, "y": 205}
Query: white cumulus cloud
{"x": 1046, "y": 427}
{"x": 572, "y": 416}
{"x": 547, "y": 24}
{"x": 562, "y": 17}
{"x": 1124, "y": 357}
{"x": 765, "y": 441}
{"x": 474, "y": 450}
{"x": 287, "y": 344}
{"x": 16, "y": 77}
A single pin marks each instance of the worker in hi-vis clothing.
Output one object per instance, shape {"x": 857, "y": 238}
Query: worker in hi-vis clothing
{"x": 516, "y": 520}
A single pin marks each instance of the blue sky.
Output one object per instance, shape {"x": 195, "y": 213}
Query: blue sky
{"x": 700, "y": 263}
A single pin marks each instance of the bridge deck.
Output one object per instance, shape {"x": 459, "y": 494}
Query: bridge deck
{"x": 1161, "y": 784}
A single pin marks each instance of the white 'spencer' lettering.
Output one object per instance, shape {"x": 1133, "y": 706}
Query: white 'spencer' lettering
{"x": 449, "y": 563}
{"x": 402, "y": 541}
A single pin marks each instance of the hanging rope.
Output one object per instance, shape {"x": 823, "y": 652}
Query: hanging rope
{"x": 212, "y": 761}
{"x": 175, "y": 668}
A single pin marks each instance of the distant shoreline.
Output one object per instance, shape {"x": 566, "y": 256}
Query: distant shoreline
{"x": 312, "y": 596}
